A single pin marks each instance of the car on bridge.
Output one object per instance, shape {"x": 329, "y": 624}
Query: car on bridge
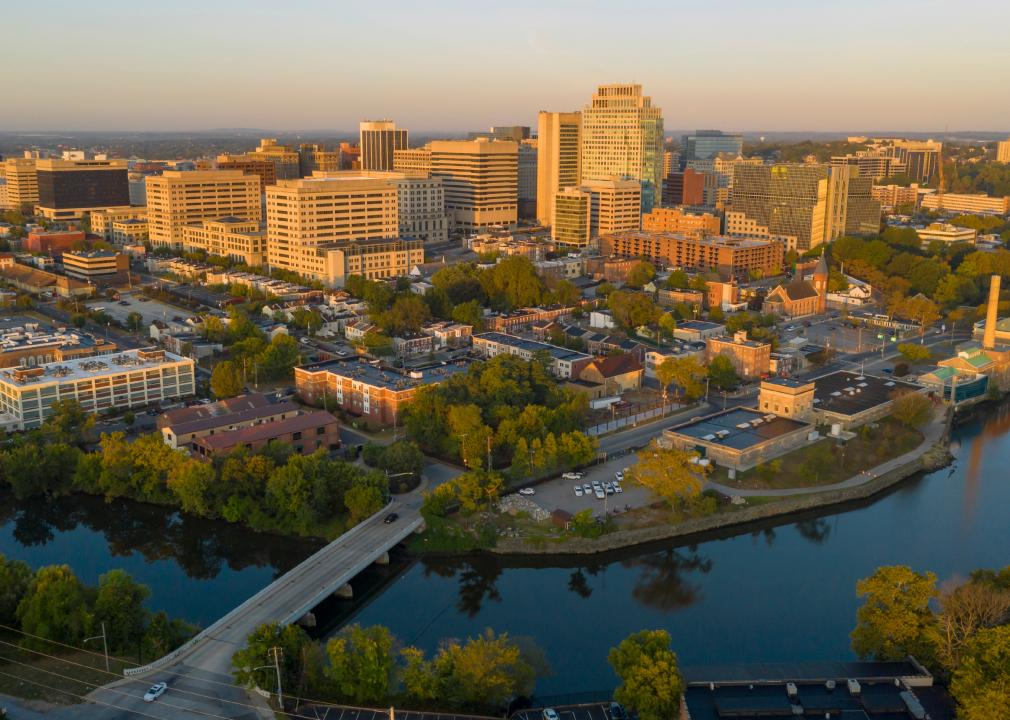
{"x": 155, "y": 692}
{"x": 391, "y": 518}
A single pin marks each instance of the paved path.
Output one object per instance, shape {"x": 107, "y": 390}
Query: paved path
{"x": 931, "y": 434}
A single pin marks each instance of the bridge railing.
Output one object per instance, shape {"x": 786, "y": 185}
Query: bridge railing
{"x": 191, "y": 644}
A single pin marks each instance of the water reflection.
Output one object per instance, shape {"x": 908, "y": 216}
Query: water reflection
{"x": 661, "y": 582}
{"x": 200, "y": 547}
{"x": 816, "y": 530}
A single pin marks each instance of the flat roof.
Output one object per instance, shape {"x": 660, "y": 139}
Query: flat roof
{"x": 848, "y": 393}
{"x": 698, "y": 325}
{"x": 787, "y": 382}
{"x": 388, "y": 378}
{"x": 556, "y": 352}
{"x": 85, "y": 368}
{"x": 739, "y": 428}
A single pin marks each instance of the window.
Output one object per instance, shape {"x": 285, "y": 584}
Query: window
{"x": 296, "y": 436}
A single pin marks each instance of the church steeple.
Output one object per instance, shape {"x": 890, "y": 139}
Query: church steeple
{"x": 819, "y": 281}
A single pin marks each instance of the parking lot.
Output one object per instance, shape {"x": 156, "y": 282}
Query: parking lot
{"x": 151, "y": 310}
{"x": 559, "y": 493}
{"x": 589, "y": 711}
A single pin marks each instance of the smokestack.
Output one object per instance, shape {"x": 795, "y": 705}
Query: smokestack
{"x": 989, "y": 338}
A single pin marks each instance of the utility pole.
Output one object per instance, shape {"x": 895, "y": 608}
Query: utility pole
{"x": 105, "y": 645}
{"x": 277, "y": 653}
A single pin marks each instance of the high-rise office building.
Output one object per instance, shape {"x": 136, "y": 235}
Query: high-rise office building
{"x": 528, "y": 179}
{"x": 350, "y": 156}
{"x": 481, "y": 179}
{"x": 558, "y": 148}
{"x": 622, "y": 136}
{"x": 285, "y": 159}
{"x": 920, "y": 159}
{"x": 684, "y": 188}
{"x": 237, "y": 239}
{"x": 518, "y": 133}
{"x": 571, "y": 224}
{"x": 421, "y": 208}
{"x": 862, "y": 210}
{"x": 671, "y": 162}
{"x": 263, "y": 168}
{"x": 416, "y": 161}
{"x": 705, "y": 144}
{"x": 178, "y": 198}
{"x": 379, "y": 139}
{"x": 21, "y": 184}
{"x": 616, "y": 205}
{"x": 333, "y": 225}
{"x": 69, "y": 188}
{"x": 788, "y": 199}
{"x": 315, "y": 158}
{"x": 1003, "y": 151}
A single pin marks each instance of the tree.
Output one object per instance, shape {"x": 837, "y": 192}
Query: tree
{"x": 981, "y": 685}
{"x": 966, "y": 608}
{"x": 686, "y": 372}
{"x": 513, "y": 282}
{"x": 402, "y": 456}
{"x": 253, "y": 664}
{"x": 920, "y": 310}
{"x": 677, "y": 280}
{"x": 226, "y": 380}
{"x": 651, "y": 683}
{"x": 120, "y": 605}
{"x": 362, "y": 501}
{"x": 361, "y": 663}
{"x": 54, "y": 607}
{"x": 632, "y": 309}
{"x": 15, "y": 577}
{"x": 895, "y": 619}
{"x": 722, "y": 374}
{"x": 407, "y": 314}
{"x": 914, "y": 353}
{"x": 668, "y": 472}
{"x": 192, "y": 482}
{"x": 135, "y": 321}
{"x": 69, "y": 423}
{"x": 279, "y": 357}
{"x": 640, "y": 274}
{"x": 911, "y": 409}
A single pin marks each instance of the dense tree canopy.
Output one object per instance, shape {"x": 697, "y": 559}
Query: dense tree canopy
{"x": 651, "y": 683}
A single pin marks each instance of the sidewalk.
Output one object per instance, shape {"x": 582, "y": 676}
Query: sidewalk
{"x": 931, "y": 434}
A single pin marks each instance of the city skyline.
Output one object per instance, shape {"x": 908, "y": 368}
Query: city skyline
{"x": 437, "y": 69}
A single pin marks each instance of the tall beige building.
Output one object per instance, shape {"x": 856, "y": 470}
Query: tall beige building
{"x": 616, "y": 205}
{"x": 572, "y": 219}
{"x": 622, "y": 136}
{"x": 307, "y": 217}
{"x": 234, "y": 238}
{"x": 379, "y": 140}
{"x": 413, "y": 160}
{"x": 21, "y": 183}
{"x": 481, "y": 179}
{"x": 421, "y": 208}
{"x": 103, "y": 220}
{"x": 285, "y": 159}
{"x": 558, "y": 148}
{"x": 1003, "y": 151}
{"x": 315, "y": 158}
{"x": 178, "y": 198}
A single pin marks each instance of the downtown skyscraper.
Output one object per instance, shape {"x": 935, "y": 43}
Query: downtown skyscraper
{"x": 622, "y": 137}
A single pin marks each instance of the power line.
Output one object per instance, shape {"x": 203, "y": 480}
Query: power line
{"x": 79, "y": 697}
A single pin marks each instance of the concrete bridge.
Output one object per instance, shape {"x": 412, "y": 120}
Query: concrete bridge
{"x": 294, "y": 594}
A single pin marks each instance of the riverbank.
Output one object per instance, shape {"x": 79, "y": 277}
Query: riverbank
{"x": 931, "y": 454}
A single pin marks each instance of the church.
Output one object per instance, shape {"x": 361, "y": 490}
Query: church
{"x": 800, "y": 297}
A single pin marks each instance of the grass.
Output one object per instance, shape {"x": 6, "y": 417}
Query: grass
{"x": 25, "y": 674}
{"x": 449, "y": 535}
{"x": 827, "y": 461}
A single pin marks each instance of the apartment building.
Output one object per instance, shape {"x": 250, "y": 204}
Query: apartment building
{"x": 725, "y": 255}
{"x": 130, "y": 232}
{"x": 304, "y": 433}
{"x": 379, "y": 140}
{"x": 571, "y": 224}
{"x": 616, "y": 205}
{"x": 29, "y": 345}
{"x": 412, "y": 161}
{"x": 622, "y": 136}
{"x": 238, "y": 239}
{"x": 103, "y": 220}
{"x": 1003, "y": 151}
{"x": 977, "y": 204}
{"x": 70, "y": 188}
{"x": 750, "y": 358}
{"x": 564, "y": 363}
{"x": 675, "y": 220}
{"x": 128, "y": 379}
{"x": 421, "y": 208}
{"x": 893, "y": 196}
{"x": 481, "y": 180}
{"x": 558, "y": 152}
{"x": 21, "y": 184}
{"x": 178, "y": 198}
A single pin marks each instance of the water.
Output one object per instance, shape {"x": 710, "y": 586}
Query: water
{"x": 781, "y": 592}
{"x": 196, "y": 569}
{"x": 784, "y": 592}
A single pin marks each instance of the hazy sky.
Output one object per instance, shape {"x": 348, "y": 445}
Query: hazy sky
{"x": 448, "y": 65}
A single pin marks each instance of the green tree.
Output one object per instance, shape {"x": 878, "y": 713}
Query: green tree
{"x": 651, "y": 683}
{"x": 911, "y": 409}
{"x": 402, "y": 456}
{"x": 362, "y": 501}
{"x": 632, "y": 309}
{"x": 278, "y": 359}
{"x": 192, "y": 483}
{"x": 54, "y": 607}
{"x": 470, "y": 313}
{"x": 640, "y": 274}
{"x": 361, "y": 663}
{"x": 69, "y": 423}
{"x": 981, "y": 684}
{"x": 226, "y": 380}
{"x": 120, "y": 605}
{"x": 913, "y": 352}
{"x": 895, "y": 619}
{"x": 135, "y": 321}
{"x": 253, "y": 664}
{"x": 513, "y": 282}
{"x": 668, "y": 472}
{"x": 722, "y": 374}
{"x": 686, "y": 372}
{"x": 15, "y": 577}
{"x": 678, "y": 280}
{"x": 407, "y": 314}
{"x": 163, "y": 635}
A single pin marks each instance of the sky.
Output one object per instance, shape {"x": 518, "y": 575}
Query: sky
{"x": 443, "y": 65}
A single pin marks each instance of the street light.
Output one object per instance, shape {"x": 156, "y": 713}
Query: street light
{"x": 105, "y": 645}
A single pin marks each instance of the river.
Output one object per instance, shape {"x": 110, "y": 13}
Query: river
{"x": 777, "y": 592}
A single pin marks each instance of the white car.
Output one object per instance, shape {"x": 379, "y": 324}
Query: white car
{"x": 587, "y": 489}
{"x": 578, "y": 491}
{"x": 527, "y": 491}
{"x": 570, "y": 476}
{"x": 155, "y": 692}
{"x": 609, "y": 489}
{"x": 550, "y": 714}
{"x": 618, "y": 489}
{"x": 600, "y": 494}
{"x": 619, "y": 475}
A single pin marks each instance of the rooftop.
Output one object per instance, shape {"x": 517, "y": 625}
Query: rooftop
{"x": 786, "y": 382}
{"x": 849, "y": 393}
{"x": 739, "y": 428}
{"x": 267, "y": 431}
{"x": 30, "y": 335}
{"x": 87, "y": 368}
{"x": 388, "y": 378}
{"x": 556, "y": 352}
{"x": 699, "y": 325}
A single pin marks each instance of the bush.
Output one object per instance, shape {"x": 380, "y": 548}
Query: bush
{"x": 372, "y": 454}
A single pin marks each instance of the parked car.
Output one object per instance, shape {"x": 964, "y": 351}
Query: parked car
{"x": 609, "y": 488}
{"x": 599, "y": 493}
{"x": 572, "y": 476}
{"x": 618, "y": 489}
{"x": 550, "y": 714}
{"x": 587, "y": 489}
{"x": 527, "y": 491}
{"x": 619, "y": 475}
{"x": 155, "y": 692}
{"x": 578, "y": 491}
{"x": 615, "y": 711}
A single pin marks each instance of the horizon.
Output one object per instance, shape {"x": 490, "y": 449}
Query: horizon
{"x": 813, "y": 68}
